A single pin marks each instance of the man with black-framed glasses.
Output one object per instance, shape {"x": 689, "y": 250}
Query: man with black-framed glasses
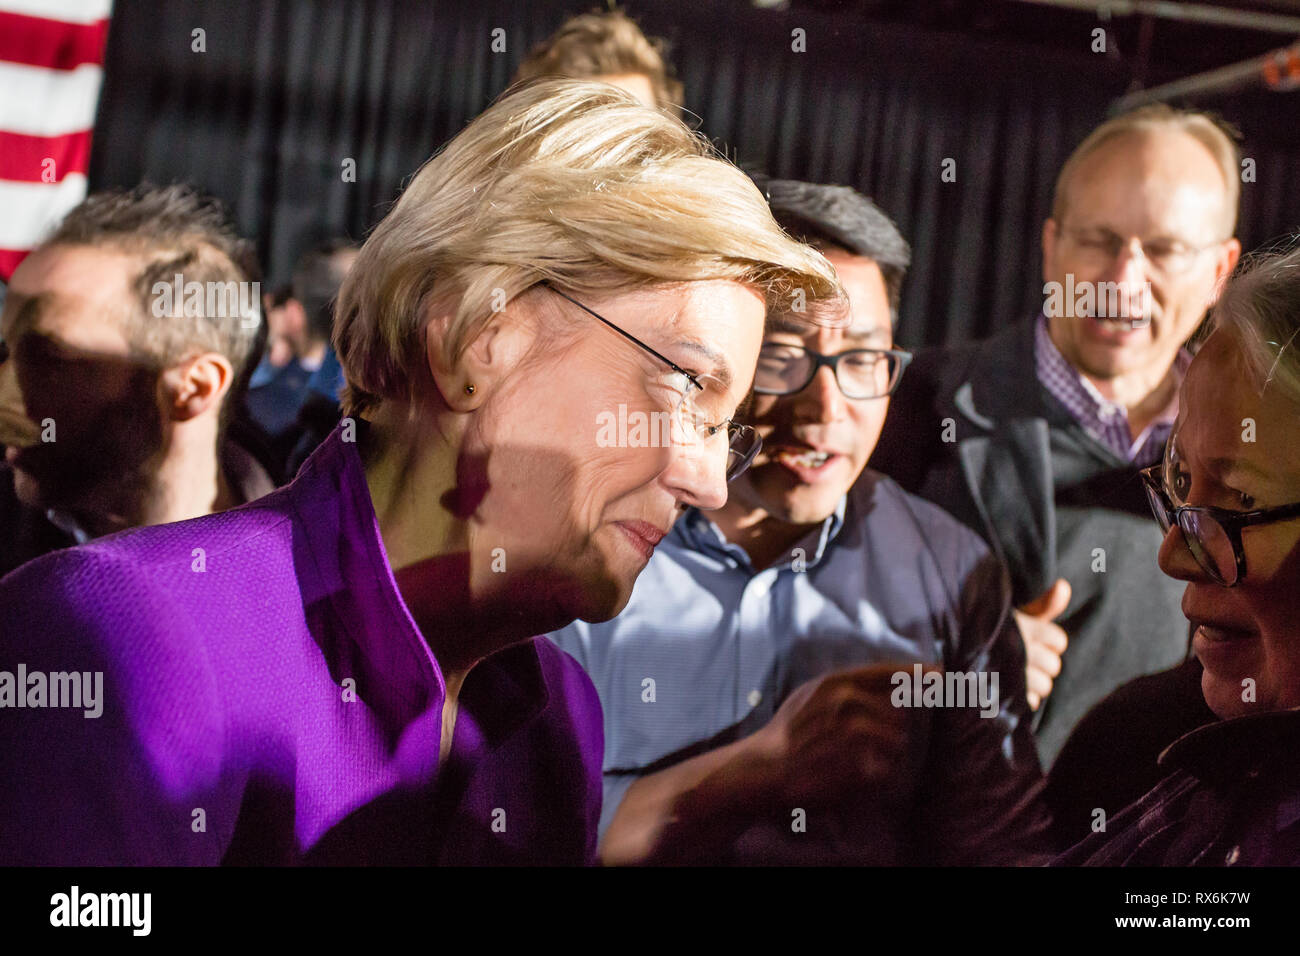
{"x": 750, "y": 686}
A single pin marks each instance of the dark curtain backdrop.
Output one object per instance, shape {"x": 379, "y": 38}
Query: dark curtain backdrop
{"x": 287, "y": 90}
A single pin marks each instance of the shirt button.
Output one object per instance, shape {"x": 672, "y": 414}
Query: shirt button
{"x": 1233, "y": 856}
{"x": 1107, "y": 413}
{"x": 754, "y": 698}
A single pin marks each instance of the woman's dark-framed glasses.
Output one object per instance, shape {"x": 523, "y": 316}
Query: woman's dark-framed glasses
{"x": 860, "y": 373}
{"x": 1213, "y": 535}
{"x": 743, "y": 442}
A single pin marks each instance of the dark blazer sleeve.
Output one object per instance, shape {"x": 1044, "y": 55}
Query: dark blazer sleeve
{"x": 919, "y": 445}
{"x": 1110, "y": 758}
{"x": 982, "y": 803}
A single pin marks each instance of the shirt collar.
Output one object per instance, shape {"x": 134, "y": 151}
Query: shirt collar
{"x": 1228, "y": 751}
{"x": 1085, "y": 403}
{"x": 697, "y": 531}
{"x": 69, "y": 525}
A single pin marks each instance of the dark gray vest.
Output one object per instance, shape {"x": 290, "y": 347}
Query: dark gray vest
{"x": 975, "y": 432}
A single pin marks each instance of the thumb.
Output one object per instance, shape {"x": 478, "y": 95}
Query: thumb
{"x": 1051, "y": 603}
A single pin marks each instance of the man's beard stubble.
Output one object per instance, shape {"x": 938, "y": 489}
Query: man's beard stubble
{"x": 105, "y": 473}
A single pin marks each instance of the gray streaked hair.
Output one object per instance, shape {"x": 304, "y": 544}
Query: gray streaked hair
{"x": 1260, "y": 308}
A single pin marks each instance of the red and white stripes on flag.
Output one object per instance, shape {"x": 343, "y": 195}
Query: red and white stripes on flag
{"x": 51, "y": 70}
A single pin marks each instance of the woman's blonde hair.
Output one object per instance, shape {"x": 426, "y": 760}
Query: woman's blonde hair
{"x": 571, "y": 182}
{"x": 1260, "y": 309}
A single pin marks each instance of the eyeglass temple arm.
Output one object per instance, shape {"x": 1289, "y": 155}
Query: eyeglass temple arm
{"x": 1231, "y": 522}
{"x": 629, "y": 336}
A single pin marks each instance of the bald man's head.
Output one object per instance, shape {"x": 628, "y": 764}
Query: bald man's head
{"x": 1193, "y": 136}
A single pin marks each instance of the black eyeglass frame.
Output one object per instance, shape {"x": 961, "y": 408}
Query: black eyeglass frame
{"x": 833, "y": 363}
{"x": 734, "y": 428}
{"x": 1231, "y": 523}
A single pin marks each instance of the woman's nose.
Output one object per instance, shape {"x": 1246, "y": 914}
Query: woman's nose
{"x": 1175, "y": 558}
{"x": 697, "y": 474}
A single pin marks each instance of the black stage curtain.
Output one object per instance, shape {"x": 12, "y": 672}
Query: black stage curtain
{"x": 287, "y": 91}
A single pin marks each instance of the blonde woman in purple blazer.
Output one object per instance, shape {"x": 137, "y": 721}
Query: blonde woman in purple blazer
{"x": 345, "y": 670}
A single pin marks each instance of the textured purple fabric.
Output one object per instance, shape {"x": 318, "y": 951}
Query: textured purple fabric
{"x": 1105, "y": 421}
{"x": 267, "y": 699}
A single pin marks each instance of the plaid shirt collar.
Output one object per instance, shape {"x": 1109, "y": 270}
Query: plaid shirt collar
{"x": 1104, "y": 420}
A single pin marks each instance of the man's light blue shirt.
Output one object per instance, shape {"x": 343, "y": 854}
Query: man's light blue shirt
{"x": 708, "y": 649}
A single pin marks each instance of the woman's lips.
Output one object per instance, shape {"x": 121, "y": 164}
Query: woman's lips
{"x": 1219, "y": 647}
{"x": 1218, "y": 634}
{"x": 642, "y": 535}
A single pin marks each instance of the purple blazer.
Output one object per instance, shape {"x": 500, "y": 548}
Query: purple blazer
{"x": 266, "y": 698}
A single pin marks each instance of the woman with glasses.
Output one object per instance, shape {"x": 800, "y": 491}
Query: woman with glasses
{"x": 1228, "y": 498}
{"x": 345, "y": 671}
{"x": 774, "y": 630}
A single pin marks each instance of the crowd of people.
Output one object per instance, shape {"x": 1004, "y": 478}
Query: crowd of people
{"x": 588, "y": 511}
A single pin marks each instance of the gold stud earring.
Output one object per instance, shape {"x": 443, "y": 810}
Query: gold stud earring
{"x": 469, "y": 389}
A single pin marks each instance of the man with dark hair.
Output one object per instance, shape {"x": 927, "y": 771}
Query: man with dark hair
{"x": 756, "y": 689}
{"x": 610, "y": 47}
{"x": 277, "y": 394}
{"x": 128, "y": 338}
{"x": 1035, "y": 438}
{"x": 839, "y": 219}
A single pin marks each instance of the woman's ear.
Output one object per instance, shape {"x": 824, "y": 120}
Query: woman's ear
{"x": 442, "y": 368}
{"x": 493, "y": 352}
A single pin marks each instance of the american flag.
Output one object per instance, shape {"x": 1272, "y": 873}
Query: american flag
{"x": 51, "y": 70}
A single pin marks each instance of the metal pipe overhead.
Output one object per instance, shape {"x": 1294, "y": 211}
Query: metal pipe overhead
{"x": 1190, "y": 12}
{"x": 1278, "y": 71}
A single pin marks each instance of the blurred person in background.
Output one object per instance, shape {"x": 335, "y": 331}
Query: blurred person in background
{"x": 609, "y": 47}
{"x": 1035, "y": 437}
{"x": 346, "y": 671}
{"x": 114, "y": 411}
{"x": 284, "y": 317}
{"x": 276, "y": 396}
